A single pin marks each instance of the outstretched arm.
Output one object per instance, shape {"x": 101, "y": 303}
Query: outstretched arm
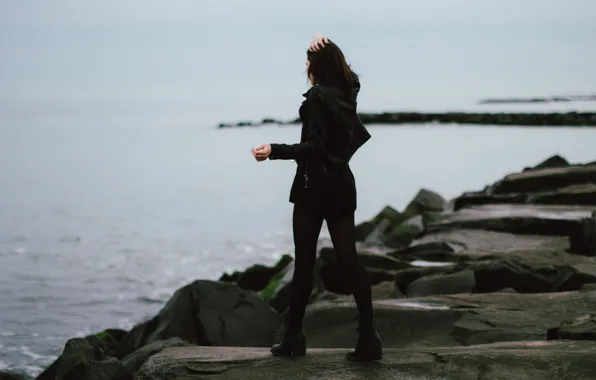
{"x": 315, "y": 144}
{"x": 292, "y": 151}
{"x": 283, "y": 151}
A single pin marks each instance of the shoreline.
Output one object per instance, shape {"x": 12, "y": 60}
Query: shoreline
{"x": 526, "y": 119}
{"x": 480, "y": 259}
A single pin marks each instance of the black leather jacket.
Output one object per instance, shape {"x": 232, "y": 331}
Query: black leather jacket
{"x": 331, "y": 134}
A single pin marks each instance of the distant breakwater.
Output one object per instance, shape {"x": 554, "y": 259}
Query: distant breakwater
{"x": 566, "y": 119}
{"x": 548, "y": 99}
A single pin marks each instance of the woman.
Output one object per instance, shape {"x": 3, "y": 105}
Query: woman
{"x": 324, "y": 189}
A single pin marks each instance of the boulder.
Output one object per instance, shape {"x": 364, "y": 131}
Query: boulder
{"x": 83, "y": 359}
{"x": 373, "y": 231}
{"x": 372, "y": 260}
{"x": 554, "y": 220}
{"x": 390, "y": 227}
{"x": 555, "y": 161}
{"x": 578, "y": 194}
{"x": 280, "y": 287}
{"x": 512, "y": 360}
{"x": 227, "y": 277}
{"x": 525, "y": 278}
{"x": 440, "y": 251}
{"x": 584, "y": 240}
{"x": 546, "y": 179}
{"x": 106, "y": 342}
{"x": 455, "y": 245}
{"x": 363, "y": 230}
{"x": 135, "y": 360}
{"x": 336, "y": 280}
{"x": 379, "y": 267}
{"x": 452, "y": 283}
{"x": 405, "y": 277}
{"x": 208, "y": 313}
{"x": 581, "y": 328}
{"x": 475, "y": 198}
{"x": 49, "y": 373}
{"x": 386, "y": 290}
{"x": 110, "y": 340}
{"x": 405, "y": 233}
{"x": 376, "y": 236}
{"x": 493, "y": 275}
{"x": 553, "y": 181}
{"x": 425, "y": 200}
{"x": 392, "y": 215}
{"x": 368, "y": 257}
{"x": 381, "y": 291}
{"x": 257, "y": 277}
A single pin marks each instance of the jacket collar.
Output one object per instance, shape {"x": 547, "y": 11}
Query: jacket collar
{"x": 310, "y": 90}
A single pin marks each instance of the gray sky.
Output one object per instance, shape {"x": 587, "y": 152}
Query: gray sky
{"x": 249, "y": 53}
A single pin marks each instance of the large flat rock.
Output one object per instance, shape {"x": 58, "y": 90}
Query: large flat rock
{"x": 489, "y": 276}
{"x": 507, "y": 361}
{"x": 546, "y": 179}
{"x": 465, "y": 244}
{"x": 577, "y": 194}
{"x": 449, "y": 320}
{"x": 554, "y": 220}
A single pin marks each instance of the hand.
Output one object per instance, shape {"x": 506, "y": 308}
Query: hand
{"x": 318, "y": 42}
{"x": 262, "y": 152}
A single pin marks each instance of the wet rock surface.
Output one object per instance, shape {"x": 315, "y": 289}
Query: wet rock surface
{"x": 581, "y": 328}
{"x": 496, "y": 284}
{"x": 519, "y": 360}
{"x": 207, "y": 313}
{"x": 84, "y": 359}
{"x": 12, "y": 376}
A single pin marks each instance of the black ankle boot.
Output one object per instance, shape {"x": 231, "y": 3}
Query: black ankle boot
{"x": 368, "y": 347}
{"x": 292, "y": 343}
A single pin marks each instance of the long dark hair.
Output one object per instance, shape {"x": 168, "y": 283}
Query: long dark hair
{"x": 328, "y": 67}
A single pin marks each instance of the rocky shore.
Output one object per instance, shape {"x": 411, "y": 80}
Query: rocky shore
{"x": 498, "y": 283}
{"x": 569, "y": 119}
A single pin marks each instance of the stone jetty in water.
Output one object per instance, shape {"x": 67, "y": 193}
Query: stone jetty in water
{"x": 512, "y": 119}
{"x": 499, "y": 283}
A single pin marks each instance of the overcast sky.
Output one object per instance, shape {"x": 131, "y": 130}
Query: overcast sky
{"x": 252, "y": 52}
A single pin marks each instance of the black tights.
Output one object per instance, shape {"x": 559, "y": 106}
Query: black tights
{"x": 307, "y": 223}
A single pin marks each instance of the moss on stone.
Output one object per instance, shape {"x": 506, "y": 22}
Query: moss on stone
{"x": 271, "y": 287}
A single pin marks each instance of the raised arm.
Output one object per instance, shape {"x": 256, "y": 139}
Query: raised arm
{"x": 318, "y": 42}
